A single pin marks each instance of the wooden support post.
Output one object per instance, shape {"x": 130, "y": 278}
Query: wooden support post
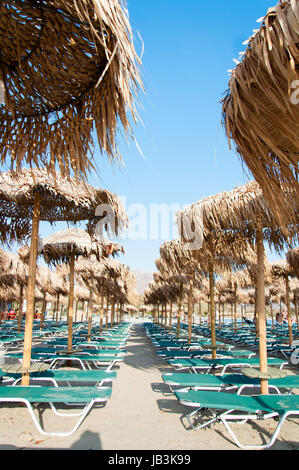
{"x": 179, "y": 311}
{"x": 31, "y": 289}
{"x": 287, "y": 283}
{"x": 235, "y": 309}
{"x": 42, "y": 316}
{"x": 101, "y": 313}
{"x": 190, "y": 306}
{"x": 170, "y": 317}
{"x": 90, "y": 307}
{"x": 212, "y": 308}
{"x": 107, "y": 310}
{"x": 260, "y": 308}
{"x": 71, "y": 301}
{"x": 20, "y": 315}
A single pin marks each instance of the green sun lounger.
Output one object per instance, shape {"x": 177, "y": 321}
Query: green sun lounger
{"x": 56, "y": 376}
{"x": 30, "y": 395}
{"x": 225, "y": 405}
{"x": 227, "y": 382}
{"x": 223, "y": 364}
{"x": 193, "y": 353}
{"x": 83, "y": 360}
{"x": 83, "y": 350}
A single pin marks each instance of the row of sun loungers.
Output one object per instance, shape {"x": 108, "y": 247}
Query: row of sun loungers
{"x": 88, "y": 385}
{"x": 203, "y": 385}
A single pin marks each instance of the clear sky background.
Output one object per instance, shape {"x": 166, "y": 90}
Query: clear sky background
{"x": 188, "y": 48}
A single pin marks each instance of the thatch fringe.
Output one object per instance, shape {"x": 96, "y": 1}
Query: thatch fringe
{"x": 261, "y": 112}
{"x": 70, "y": 72}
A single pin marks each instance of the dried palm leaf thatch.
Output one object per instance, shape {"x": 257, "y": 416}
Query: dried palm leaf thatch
{"x": 261, "y": 112}
{"x": 162, "y": 294}
{"x": 234, "y": 280}
{"x": 61, "y": 199}
{"x": 14, "y": 271}
{"x": 282, "y": 269}
{"x": 81, "y": 293}
{"x": 293, "y": 260}
{"x": 69, "y": 72}
{"x": 59, "y": 247}
{"x": 176, "y": 259}
{"x": 46, "y": 280}
{"x": 8, "y": 294}
{"x": 244, "y": 210}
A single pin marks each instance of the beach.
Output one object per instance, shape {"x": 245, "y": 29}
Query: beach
{"x": 140, "y": 415}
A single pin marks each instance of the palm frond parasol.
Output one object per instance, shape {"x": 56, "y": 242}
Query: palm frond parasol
{"x": 260, "y": 109}
{"x": 29, "y": 196}
{"x": 70, "y": 75}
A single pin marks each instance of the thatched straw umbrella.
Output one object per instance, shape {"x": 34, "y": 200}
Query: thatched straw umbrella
{"x": 260, "y": 110}
{"x": 65, "y": 247}
{"x": 29, "y": 196}
{"x": 91, "y": 271}
{"x": 243, "y": 210}
{"x": 69, "y": 75}
{"x": 219, "y": 251}
{"x": 283, "y": 270}
{"x": 293, "y": 260}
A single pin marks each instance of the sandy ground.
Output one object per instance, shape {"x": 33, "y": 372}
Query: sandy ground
{"x": 138, "y": 416}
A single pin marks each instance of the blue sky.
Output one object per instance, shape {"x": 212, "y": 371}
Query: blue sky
{"x": 188, "y": 48}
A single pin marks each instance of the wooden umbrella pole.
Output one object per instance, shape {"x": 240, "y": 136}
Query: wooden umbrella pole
{"x": 20, "y": 307}
{"x": 289, "y": 309}
{"x": 57, "y": 309}
{"x": 272, "y": 316}
{"x": 71, "y": 302}
{"x": 190, "y": 306}
{"x": 107, "y": 310}
{"x": 112, "y": 312}
{"x": 296, "y": 311}
{"x": 199, "y": 312}
{"x": 42, "y": 316}
{"x": 76, "y": 309}
{"x": 179, "y": 311}
{"x": 31, "y": 289}
{"x": 260, "y": 309}
{"x": 235, "y": 309}
{"x": 90, "y": 306}
{"x": 101, "y": 313}
{"x": 170, "y": 317}
{"x": 212, "y": 308}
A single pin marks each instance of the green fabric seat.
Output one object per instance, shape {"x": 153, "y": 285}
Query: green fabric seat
{"x": 58, "y": 375}
{"x": 279, "y": 404}
{"x": 220, "y": 382}
{"x": 82, "y": 351}
{"x": 53, "y": 394}
{"x": 86, "y": 396}
{"x": 211, "y": 364}
{"x": 224, "y": 406}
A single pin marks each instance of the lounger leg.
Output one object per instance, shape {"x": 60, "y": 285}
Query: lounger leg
{"x": 82, "y": 415}
{"x": 207, "y": 423}
{"x": 38, "y": 425}
{"x": 263, "y": 446}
